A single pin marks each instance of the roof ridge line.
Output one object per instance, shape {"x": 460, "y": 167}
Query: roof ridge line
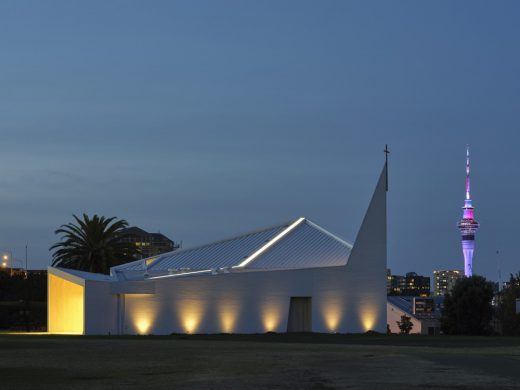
{"x": 269, "y": 244}
{"x": 316, "y": 226}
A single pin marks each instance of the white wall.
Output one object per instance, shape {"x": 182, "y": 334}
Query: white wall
{"x": 394, "y": 314}
{"x": 100, "y": 308}
{"x": 257, "y": 302}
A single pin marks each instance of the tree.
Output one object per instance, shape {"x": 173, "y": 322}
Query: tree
{"x": 467, "y": 310}
{"x": 405, "y": 325}
{"x": 92, "y": 244}
{"x": 509, "y": 319}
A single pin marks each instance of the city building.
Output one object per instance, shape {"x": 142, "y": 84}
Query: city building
{"x": 468, "y": 226}
{"x": 395, "y": 284}
{"x": 287, "y": 278}
{"x": 445, "y": 280}
{"x": 409, "y": 285}
{"x": 149, "y": 244}
{"x": 416, "y": 285}
{"x": 423, "y": 312}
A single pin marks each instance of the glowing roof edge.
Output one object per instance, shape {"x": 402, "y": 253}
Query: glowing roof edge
{"x": 269, "y": 244}
{"x": 182, "y": 274}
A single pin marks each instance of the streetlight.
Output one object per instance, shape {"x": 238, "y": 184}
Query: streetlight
{"x": 9, "y": 260}
{"x": 6, "y": 259}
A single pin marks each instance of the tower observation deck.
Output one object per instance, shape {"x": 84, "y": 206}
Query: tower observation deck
{"x": 468, "y": 226}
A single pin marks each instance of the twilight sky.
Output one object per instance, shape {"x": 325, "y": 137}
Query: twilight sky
{"x": 205, "y": 119}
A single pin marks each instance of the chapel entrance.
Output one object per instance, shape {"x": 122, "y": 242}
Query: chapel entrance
{"x": 300, "y": 315}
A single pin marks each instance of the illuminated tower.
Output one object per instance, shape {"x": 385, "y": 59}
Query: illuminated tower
{"x": 468, "y": 226}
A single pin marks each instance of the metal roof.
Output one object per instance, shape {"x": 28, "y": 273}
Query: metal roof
{"x": 306, "y": 246}
{"x": 297, "y": 244}
{"x": 405, "y": 303}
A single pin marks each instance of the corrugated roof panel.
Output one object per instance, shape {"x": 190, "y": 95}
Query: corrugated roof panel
{"x": 401, "y": 303}
{"x": 226, "y": 253}
{"x": 133, "y": 265}
{"x": 304, "y": 247}
{"x": 299, "y": 244}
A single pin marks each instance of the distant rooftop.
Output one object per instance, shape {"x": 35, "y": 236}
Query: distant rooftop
{"x": 137, "y": 231}
{"x": 405, "y": 303}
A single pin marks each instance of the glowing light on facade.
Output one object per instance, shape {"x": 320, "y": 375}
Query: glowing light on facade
{"x": 66, "y": 306}
{"x": 270, "y": 321}
{"x": 468, "y": 226}
{"x": 228, "y": 314}
{"x": 190, "y": 323}
{"x": 143, "y": 325}
{"x": 271, "y": 316}
{"x": 332, "y": 314}
{"x": 369, "y": 313}
{"x": 368, "y": 317}
{"x": 270, "y": 243}
{"x": 141, "y": 311}
{"x": 227, "y": 321}
{"x": 191, "y": 313}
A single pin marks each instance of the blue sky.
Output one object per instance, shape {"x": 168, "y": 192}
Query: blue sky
{"x": 204, "y": 119}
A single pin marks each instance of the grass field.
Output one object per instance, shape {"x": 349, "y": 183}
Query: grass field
{"x": 306, "y": 361}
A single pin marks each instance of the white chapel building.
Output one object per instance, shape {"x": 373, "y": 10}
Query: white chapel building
{"x": 294, "y": 277}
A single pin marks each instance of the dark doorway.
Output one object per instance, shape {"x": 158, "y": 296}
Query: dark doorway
{"x": 300, "y": 315}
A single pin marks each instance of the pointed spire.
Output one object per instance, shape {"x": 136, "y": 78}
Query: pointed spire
{"x": 369, "y": 249}
{"x": 468, "y": 226}
{"x": 468, "y": 196}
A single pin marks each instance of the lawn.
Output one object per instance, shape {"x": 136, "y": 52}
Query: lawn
{"x": 306, "y": 361}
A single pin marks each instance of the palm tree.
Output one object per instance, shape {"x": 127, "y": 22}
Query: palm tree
{"x": 92, "y": 244}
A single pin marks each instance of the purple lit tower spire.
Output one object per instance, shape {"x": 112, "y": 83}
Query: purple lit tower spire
{"x": 468, "y": 226}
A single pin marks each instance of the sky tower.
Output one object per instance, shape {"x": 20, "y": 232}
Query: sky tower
{"x": 468, "y": 226}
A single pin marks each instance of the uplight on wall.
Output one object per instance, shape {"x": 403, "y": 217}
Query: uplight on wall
{"x": 142, "y": 312}
{"x": 271, "y": 315}
{"x": 190, "y": 324}
{"x": 332, "y": 314}
{"x": 228, "y": 315}
{"x": 143, "y": 325}
{"x": 368, "y": 317}
{"x": 191, "y": 313}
